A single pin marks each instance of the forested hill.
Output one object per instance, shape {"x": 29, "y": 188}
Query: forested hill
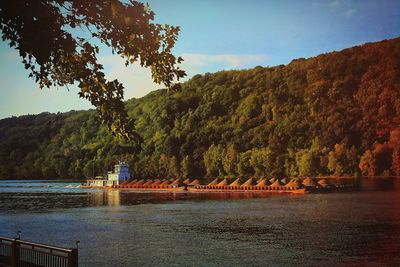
{"x": 337, "y": 113}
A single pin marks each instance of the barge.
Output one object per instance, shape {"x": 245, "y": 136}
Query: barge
{"x": 121, "y": 179}
{"x": 294, "y": 185}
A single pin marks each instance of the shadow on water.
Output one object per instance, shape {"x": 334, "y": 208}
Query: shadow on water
{"x": 379, "y": 184}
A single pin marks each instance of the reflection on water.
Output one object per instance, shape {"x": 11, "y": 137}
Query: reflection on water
{"x": 128, "y": 228}
{"x": 381, "y": 184}
{"x": 44, "y": 196}
{"x": 105, "y": 198}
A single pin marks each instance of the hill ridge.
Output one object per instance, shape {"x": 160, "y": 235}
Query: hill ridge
{"x": 335, "y": 113}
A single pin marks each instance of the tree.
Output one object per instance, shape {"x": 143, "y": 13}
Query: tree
{"x": 244, "y": 167}
{"x": 368, "y": 164}
{"x": 42, "y": 33}
{"x": 383, "y": 156}
{"x": 307, "y": 162}
{"x": 173, "y": 168}
{"x": 230, "y": 160}
{"x": 394, "y": 142}
{"x": 163, "y": 166}
{"x": 396, "y": 161}
{"x": 184, "y": 124}
{"x": 213, "y": 160}
{"x": 186, "y": 167}
{"x": 262, "y": 161}
{"x": 291, "y": 168}
{"x": 89, "y": 169}
{"x": 343, "y": 160}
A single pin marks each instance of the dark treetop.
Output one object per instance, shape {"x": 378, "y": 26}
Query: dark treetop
{"x": 42, "y": 33}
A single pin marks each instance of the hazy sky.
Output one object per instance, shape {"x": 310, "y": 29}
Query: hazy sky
{"x": 219, "y": 35}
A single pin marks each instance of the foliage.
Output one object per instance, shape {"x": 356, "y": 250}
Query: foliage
{"x": 44, "y": 34}
{"x": 334, "y": 114}
{"x": 368, "y": 164}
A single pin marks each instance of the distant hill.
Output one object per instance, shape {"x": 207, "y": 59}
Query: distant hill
{"x": 336, "y": 113}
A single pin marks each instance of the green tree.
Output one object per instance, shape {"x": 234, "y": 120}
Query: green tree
{"x": 89, "y": 169}
{"x": 186, "y": 167}
{"x": 42, "y": 32}
{"x": 244, "y": 167}
{"x": 262, "y": 161}
{"x": 163, "y": 166}
{"x": 307, "y": 162}
{"x": 230, "y": 160}
{"x": 213, "y": 160}
{"x": 173, "y": 168}
{"x": 307, "y": 106}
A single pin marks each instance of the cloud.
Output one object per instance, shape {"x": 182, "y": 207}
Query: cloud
{"x": 342, "y": 8}
{"x": 136, "y": 80}
{"x": 334, "y": 4}
{"x": 231, "y": 61}
{"x": 200, "y": 63}
{"x": 350, "y": 12}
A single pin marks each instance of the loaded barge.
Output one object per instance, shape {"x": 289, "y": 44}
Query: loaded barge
{"x": 293, "y": 185}
{"x": 121, "y": 179}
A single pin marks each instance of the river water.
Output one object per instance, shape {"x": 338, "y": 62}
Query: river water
{"x": 127, "y": 228}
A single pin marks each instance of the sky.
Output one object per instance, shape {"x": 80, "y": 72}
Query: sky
{"x": 218, "y": 35}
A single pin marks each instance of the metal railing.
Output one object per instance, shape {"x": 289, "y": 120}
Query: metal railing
{"x": 19, "y": 253}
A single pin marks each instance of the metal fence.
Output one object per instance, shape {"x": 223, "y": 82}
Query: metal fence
{"x": 19, "y": 253}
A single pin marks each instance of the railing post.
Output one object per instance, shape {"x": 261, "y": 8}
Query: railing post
{"x": 14, "y": 253}
{"x": 73, "y": 258}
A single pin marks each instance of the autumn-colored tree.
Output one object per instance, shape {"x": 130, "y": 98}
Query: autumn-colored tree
{"x": 396, "y": 161}
{"x": 383, "y": 156}
{"x": 394, "y": 142}
{"x": 368, "y": 164}
{"x": 343, "y": 160}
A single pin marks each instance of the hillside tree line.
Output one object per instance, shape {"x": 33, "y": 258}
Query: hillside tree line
{"x": 334, "y": 114}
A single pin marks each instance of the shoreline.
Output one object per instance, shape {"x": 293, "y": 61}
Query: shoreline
{"x": 312, "y": 177}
